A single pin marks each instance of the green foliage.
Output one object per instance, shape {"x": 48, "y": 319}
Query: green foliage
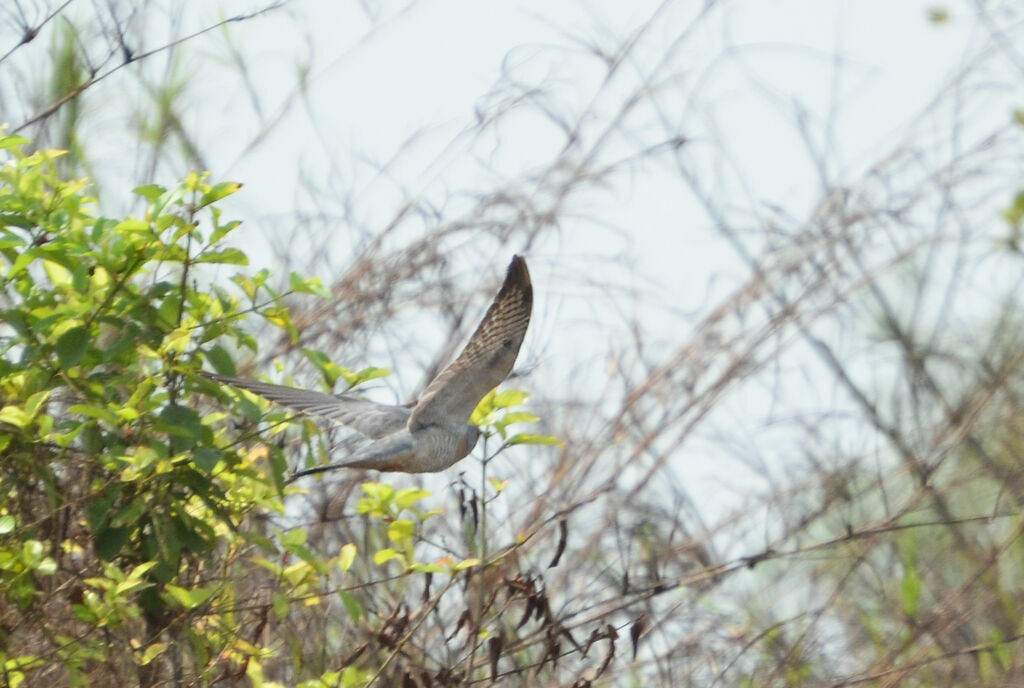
{"x": 101, "y": 323}
{"x": 493, "y": 416}
{"x": 133, "y": 512}
{"x": 332, "y": 371}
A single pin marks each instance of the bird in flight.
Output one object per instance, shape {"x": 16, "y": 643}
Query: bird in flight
{"x": 434, "y": 432}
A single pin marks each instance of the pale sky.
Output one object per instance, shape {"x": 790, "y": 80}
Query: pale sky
{"x": 859, "y": 73}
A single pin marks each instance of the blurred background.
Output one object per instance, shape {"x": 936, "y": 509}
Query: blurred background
{"x": 776, "y": 255}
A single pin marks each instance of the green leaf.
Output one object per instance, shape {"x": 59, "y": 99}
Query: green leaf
{"x": 378, "y": 491}
{"x": 206, "y": 459}
{"x": 483, "y": 409}
{"x": 110, "y": 541}
{"x": 434, "y": 567}
{"x": 1001, "y": 649}
{"x": 8, "y": 141}
{"x": 466, "y": 564}
{"x": 221, "y": 360}
{"x": 217, "y": 192}
{"x": 281, "y": 605}
{"x": 280, "y": 317}
{"x": 23, "y": 260}
{"x": 401, "y": 530}
{"x": 351, "y": 677}
{"x": 59, "y": 275}
{"x": 352, "y": 606}
{"x": 150, "y": 192}
{"x": 152, "y": 652}
{"x": 524, "y": 438}
{"x": 169, "y": 197}
{"x": 103, "y": 226}
{"x": 294, "y": 537}
{"x": 98, "y": 511}
{"x": 183, "y": 425}
{"x": 130, "y": 514}
{"x": 47, "y": 567}
{"x": 132, "y": 225}
{"x": 177, "y": 340}
{"x": 910, "y": 588}
{"x": 385, "y": 555}
{"x": 328, "y": 368}
{"x": 36, "y": 401}
{"x": 12, "y": 415}
{"x": 309, "y": 285}
{"x": 346, "y": 557}
{"x": 516, "y": 417}
{"x": 97, "y": 412}
{"x": 80, "y": 278}
{"x": 363, "y": 375}
{"x": 169, "y": 311}
{"x": 33, "y": 551}
{"x": 221, "y": 230}
{"x": 227, "y": 256}
{"x": 510, "y": 397}
{"x": 407, "y": 497}
{"x": 7, "y": 524}
{"x": 71, "y": 346}
{"x": 1015, "y": 213}
{"x": 180, "y": 595}
{"x": 278, "y": 465}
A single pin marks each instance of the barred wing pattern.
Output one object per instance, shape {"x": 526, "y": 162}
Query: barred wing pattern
{"x": 487, "y": 359}
{"x": 369, "y": 418}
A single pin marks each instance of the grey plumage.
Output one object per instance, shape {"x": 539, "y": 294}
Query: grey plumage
{"x": 369, "y": 418}
{"x": 434, "y": 432}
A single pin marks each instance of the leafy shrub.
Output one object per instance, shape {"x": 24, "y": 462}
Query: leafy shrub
{"x": 134, "y": 547}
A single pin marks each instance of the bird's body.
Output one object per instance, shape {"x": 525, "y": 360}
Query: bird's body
{"x": 434, "y": 432}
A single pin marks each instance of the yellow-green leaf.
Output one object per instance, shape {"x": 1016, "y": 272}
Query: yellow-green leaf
{"x": 217, "y": 192}
{"x": 227, "y": 256}
{"x": 510, "y": 397}
{"x": 308, "y": 285}
{"x": 401, "y": 530}
{"x": 150, "y": 192}
{"x": 281, "y": 605}
{"x": 347, "y": 557}
{"x": 12, "y": 415}
{"x": 181, "y": 596}
{"x": 524, "y": 438}
{"x": 151, "y": 653}
{"x": 59, "y": 275}
{"x": 409, "y": 496}
{"x": 466, "y": 563}
{"x": 385, "y": 555}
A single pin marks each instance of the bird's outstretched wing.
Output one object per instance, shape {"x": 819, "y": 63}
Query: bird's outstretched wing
{"x": 487, "y": 359}
{"x": 368, "y": 417}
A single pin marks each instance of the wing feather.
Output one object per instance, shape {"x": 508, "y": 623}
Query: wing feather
{"x": 487, "y": 359}
{"x": 369, "y": 418}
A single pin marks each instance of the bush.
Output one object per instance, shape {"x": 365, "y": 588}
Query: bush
{"x": 136, "y": 546}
